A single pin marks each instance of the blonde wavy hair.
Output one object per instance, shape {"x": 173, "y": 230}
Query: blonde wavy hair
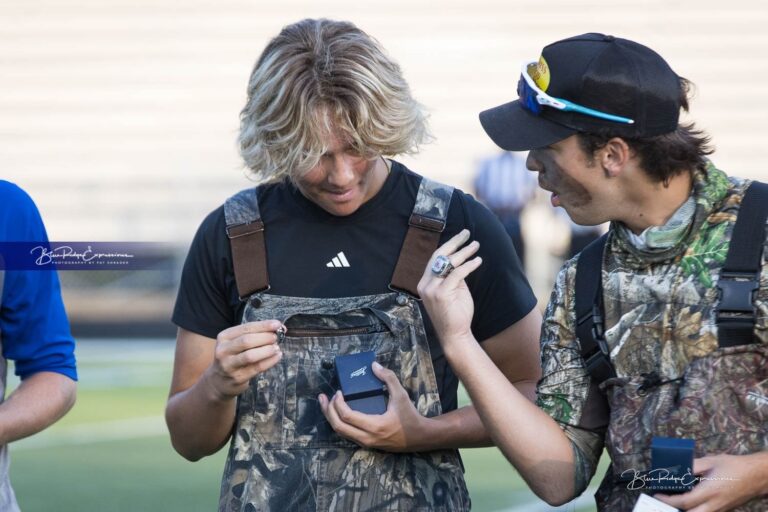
{"x": 322, "y": 75}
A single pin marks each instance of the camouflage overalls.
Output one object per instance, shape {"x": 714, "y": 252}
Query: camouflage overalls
{"x": 672, "y": 378}
{"x": 284, "y": 456}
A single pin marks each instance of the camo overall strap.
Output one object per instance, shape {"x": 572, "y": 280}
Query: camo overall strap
{"x": 427, "y": 222}
{"x": 246, "y": 238}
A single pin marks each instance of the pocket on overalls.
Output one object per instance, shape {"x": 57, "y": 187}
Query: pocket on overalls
{"x": 305, "y": 424}
{"x": 314, "y": 341}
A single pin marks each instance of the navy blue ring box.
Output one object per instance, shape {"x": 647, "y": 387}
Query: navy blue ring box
{"x": 362, "y": 390}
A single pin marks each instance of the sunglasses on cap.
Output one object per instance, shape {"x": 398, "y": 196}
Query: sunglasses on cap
{"x": 532, "y": 98}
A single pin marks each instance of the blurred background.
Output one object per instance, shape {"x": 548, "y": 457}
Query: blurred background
{"x": 120, "y": 119}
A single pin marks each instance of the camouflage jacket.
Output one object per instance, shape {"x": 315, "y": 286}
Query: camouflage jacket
{"x": 659, "y": 313}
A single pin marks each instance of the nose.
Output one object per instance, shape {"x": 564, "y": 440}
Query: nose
{"x": 532, "y": 163}
{"x": 342, "y": 171}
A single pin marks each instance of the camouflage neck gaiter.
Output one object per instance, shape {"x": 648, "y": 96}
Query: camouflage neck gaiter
{"x": 660, "y": 243}
{"x": 659, "y": 238}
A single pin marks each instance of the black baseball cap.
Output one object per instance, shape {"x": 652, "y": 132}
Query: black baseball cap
{"x": 600, "y": 72}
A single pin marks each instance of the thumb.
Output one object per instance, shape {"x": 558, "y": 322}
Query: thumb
{"x": 387, "y": 375}
{"x": 703, "y": 465}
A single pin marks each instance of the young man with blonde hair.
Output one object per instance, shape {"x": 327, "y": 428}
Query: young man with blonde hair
{"x": 321, "y": 262}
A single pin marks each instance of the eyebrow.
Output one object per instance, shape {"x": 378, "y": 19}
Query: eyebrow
{"x": 346, "y": 147}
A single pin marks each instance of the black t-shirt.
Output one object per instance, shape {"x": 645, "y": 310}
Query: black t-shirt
{"x": 303, "y": 244}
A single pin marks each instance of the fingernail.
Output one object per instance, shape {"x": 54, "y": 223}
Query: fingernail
{"x": 376, "y": 365}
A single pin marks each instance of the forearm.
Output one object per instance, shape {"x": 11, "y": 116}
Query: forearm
{"x": 39, "y": 401}
{"x": 199, "y": 420}
{"x": 462, "y": 428}
{"x": 531, "y": 440}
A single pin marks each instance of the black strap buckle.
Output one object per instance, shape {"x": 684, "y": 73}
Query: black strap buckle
{"x": 599, "y": 365}
{"x": 598, "y": 360}
{"x": 595, "y": 317}
{"x": 598, "y": 328}
{"x": 736, "y": 294}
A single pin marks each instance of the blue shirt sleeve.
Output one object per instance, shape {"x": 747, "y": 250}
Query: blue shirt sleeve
{"x": 34, "y": 330}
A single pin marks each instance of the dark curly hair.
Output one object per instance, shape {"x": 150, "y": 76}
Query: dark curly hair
{"x": 661, "y": 156}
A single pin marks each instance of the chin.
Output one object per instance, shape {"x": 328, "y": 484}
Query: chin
{"x": 341, "y": 210}
{"x": 582, "y": 218}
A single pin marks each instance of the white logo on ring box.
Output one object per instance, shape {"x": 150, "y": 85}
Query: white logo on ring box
{"x": 357, "y": 373}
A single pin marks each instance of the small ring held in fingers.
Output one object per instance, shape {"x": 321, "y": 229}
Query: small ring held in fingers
{"x": 442, "y": 266}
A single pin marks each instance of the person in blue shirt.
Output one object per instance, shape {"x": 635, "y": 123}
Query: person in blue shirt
{"x": 34, "y": 333}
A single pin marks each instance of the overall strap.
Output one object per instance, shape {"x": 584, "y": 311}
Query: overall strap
{"x": 740, "y": 275}
{"x": 427, "y": 222}
{"x": 246, "y": 238}
{"x": 590, "y": 327}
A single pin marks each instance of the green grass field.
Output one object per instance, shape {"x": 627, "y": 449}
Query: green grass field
{"x": 112, "y": 453}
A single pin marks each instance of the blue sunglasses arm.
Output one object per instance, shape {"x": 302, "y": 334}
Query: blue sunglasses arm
{"x": 595, "y": 113}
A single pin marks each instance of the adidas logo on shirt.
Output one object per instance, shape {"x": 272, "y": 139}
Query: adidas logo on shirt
{"x": 339, "y": 261}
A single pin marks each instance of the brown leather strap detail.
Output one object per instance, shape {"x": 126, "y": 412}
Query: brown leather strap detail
{"x": 249, "y": 257}
{"x": 421, "y": 240}
{"x": 426, "y": 223}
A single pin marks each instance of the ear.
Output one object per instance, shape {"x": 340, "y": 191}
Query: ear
{"x": 614, "y": 156}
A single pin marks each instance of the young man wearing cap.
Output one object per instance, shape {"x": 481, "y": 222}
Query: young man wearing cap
{"x": 683, "y": 349}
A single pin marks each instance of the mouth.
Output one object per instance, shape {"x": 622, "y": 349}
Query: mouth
{"x": 341, "y": 196}
{"x": 555, "y": 199}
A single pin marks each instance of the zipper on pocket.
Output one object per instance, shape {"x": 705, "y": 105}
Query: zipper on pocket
{"x": 319, "y": 333}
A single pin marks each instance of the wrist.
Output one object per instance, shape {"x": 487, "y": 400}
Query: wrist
{"x": 212, "y": 392}
{"x": 457, "y": 346}
{"x": 427, "y": 435}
